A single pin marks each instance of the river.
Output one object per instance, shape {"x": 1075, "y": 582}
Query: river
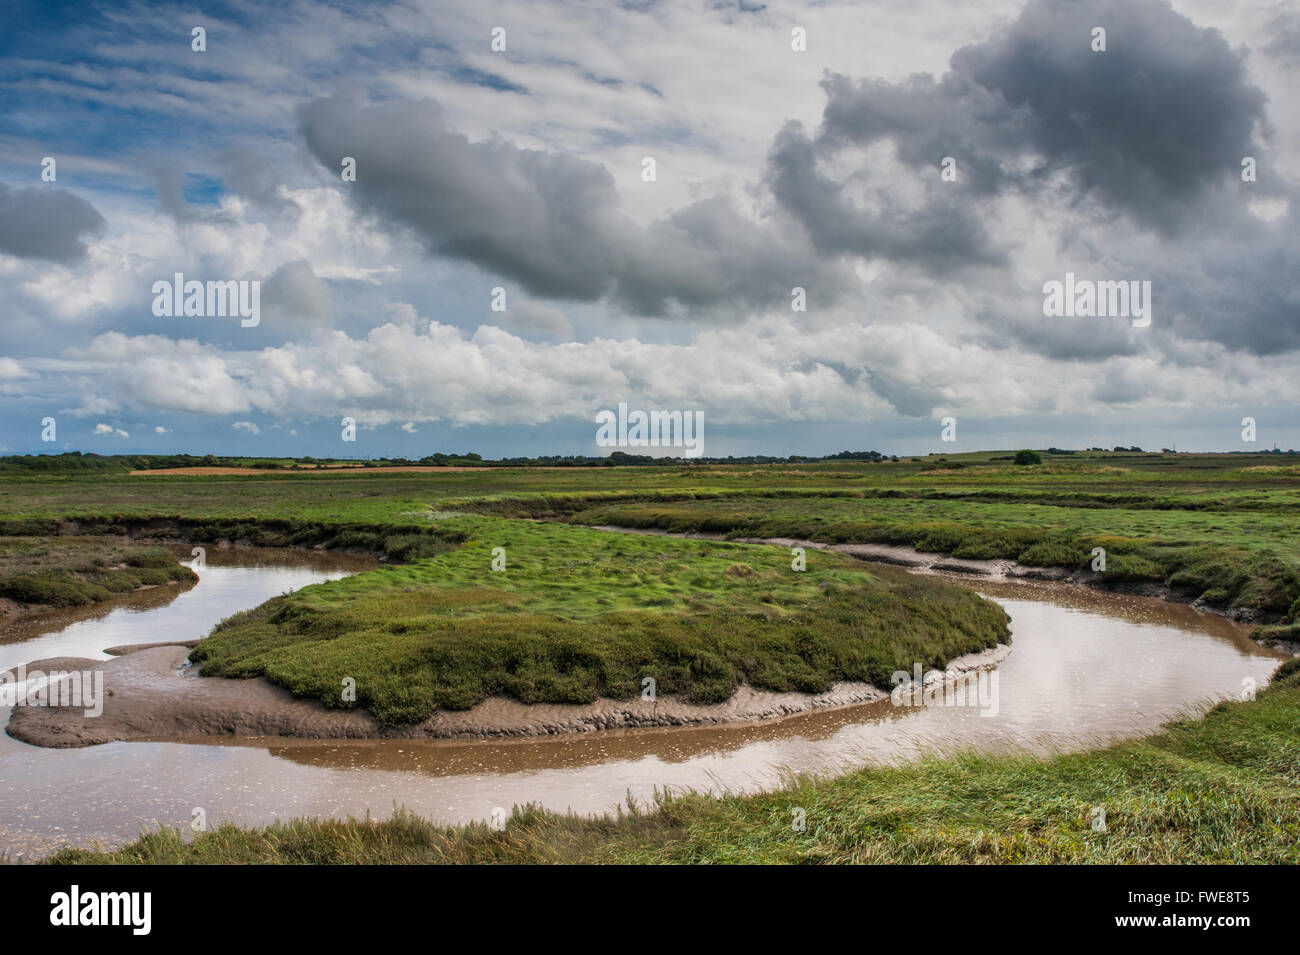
{"x": 1087, "y": 667}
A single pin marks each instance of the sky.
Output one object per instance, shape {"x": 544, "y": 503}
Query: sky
{"x": 818, "y": 227}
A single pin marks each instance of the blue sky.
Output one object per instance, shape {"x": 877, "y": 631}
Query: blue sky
{"x": 524, "y": 170}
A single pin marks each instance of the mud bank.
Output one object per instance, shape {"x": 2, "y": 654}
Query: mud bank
{"x": 11, "y": 611}
{"x": 153, "y": 694}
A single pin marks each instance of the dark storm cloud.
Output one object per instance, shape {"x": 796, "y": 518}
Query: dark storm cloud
{"x": 49, "y": 224}
{"x": 942, "y": 231}
{"x": 550, "y": 221}
{"x": 1241, "y": 290}
{"x": 1146, "y": 137}
{"x": 1148, "y": 129}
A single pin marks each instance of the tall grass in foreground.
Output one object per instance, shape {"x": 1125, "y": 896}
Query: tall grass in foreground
{"x": 1221, "y": 789}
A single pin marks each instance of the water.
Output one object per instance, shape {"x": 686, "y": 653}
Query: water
{"x": 1087, "y": 667}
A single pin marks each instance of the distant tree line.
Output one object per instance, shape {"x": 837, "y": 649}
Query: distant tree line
{"x": 77, "y": 461}
{"x": 74, "y": 462}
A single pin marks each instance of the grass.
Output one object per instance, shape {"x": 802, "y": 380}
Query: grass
{"x": 1222, "y": 789}
{"x": 1256, "y": 583}
{"x": 577, "y": 614}
{"x": 56, "y": 572}
{"x": 1217, "y": 527}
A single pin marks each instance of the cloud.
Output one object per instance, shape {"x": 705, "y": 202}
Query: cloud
{"x": 11, "y": 370}
{"x": 775, "y": 170}
{"x": 1122, "y": 164}
{"x": 770, "y": 371}
{"x": 530, "y": 316}
{"x": 105, "y": 429}
{"x": 250, "y": 175}
{"x": 550, "y": 221}
{"x": 1150, "y": 127}
{"x": 1147, "y": 130}
{"x": 938, "y": 227}
{"x": 295, "y": 289}
{"x": 50, "y": 224}
{"x": 152, "y": 371}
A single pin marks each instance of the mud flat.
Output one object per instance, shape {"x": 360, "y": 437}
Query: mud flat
{"x": 154, "y": 694}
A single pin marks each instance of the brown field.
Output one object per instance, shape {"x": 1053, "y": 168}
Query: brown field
{"x": 308, "y": 469}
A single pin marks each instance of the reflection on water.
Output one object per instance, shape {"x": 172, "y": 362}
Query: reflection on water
{"x": 232, "y": 579}
{"x": 1087, "y": 666}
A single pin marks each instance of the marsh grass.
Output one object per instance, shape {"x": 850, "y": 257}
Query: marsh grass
{"x": 579, "y": 614}
{"x": 59, "y": 572}
{"x": 1222, "y": 528}
{"x": 1225, "y": 573}
{"x": 1222, "y": 789}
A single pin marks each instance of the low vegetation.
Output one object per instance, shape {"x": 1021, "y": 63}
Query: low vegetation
{"x": 57, "y": 572}
{"x": 1222, "y": 789}
{"x": 577, "y": 614}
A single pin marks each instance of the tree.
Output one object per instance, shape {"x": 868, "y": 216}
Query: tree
{"x": 1026, "y": 456}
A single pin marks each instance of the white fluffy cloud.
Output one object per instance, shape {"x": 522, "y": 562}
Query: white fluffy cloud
{"x": 770, "y": 370}
{"x": 376, "y": 292}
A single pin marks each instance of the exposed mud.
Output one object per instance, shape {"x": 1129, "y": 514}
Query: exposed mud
{"x": 153, "y": 694}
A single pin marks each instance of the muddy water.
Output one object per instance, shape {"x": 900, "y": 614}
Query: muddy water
{"x": 1087, "y": 667}
{"x": 233, "y": 579}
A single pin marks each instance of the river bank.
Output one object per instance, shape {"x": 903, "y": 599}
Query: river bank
{"x": 1089, "y": 667}
{"x": 990, "y": 569}
{"x": 154, "y": 694}
{"x": 1219, "y": 789}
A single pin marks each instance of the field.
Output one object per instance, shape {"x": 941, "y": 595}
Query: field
{"x": 576, "y": 613}
{"x": 1221, "y": 528}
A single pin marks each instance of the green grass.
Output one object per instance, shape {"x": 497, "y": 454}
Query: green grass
{"x": 1259, "y": 582}
{"x": 57, "y": 572}
{"x": 577, "y": 614}
{"x": 1222, "y": 789}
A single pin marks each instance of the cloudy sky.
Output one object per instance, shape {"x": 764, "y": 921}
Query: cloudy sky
{"x": 526, "y": 170}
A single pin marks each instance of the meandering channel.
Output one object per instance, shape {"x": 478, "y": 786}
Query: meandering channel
{"x": 1087, "y": 666}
